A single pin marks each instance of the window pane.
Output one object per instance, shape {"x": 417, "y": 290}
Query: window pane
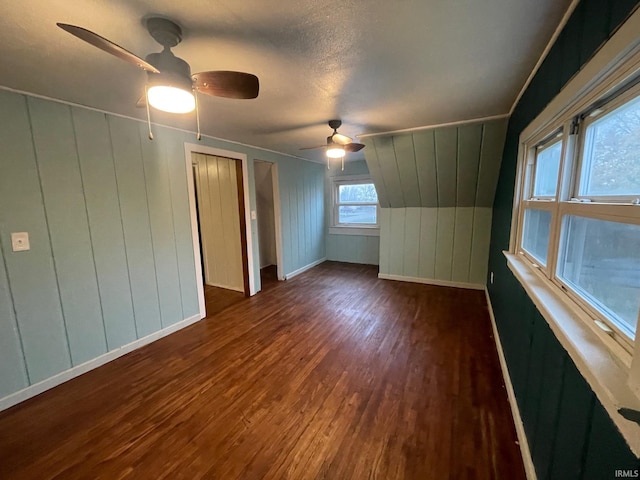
{"x": 358, "y": 193}
{"x": 601, "y": 262}
{"x": 357, "y": 214}
{"x": 611, "y": 153}
{"x": 535, "y": 234}
{"x": 547, "y": 168}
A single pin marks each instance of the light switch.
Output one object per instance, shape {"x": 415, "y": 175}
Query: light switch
{"x": 20, "y": 241}
{"x": 253, "y": 215}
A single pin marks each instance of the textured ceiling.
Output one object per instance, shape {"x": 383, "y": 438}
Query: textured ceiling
{"x": 378, "y": 65}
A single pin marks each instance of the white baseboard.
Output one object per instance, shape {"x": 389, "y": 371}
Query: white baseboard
{"x": 431, "y": 281}
{"x": 226, "y": 287}
{"x": 38, "y": 388}
{"x": 289, "y": 276}
{"x": 515, "y": 411}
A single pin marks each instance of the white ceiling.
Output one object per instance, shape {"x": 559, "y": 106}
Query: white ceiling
{"x": 379, "y": 65}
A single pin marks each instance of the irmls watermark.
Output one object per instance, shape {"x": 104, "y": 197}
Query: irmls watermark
{"x": 627, "y": 473}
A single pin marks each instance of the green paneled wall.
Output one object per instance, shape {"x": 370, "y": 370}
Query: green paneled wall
{"x": 302, "y": 210}
{"x": 30, "y": 276}
{"x": 349, "y": 248}
{"x": 440, "y": 184}
{"x": 448, "y": 244}
{"x": 441, "y": 167}
{"x": 569, "y": 432}
{"x": 107, "y": 212}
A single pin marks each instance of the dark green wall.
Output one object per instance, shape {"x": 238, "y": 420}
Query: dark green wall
{"x": 570, "y": 434}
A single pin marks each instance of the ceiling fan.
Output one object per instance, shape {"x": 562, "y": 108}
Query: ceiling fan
{"x": 337, "y": 144}
{"x": 170, "y": 85}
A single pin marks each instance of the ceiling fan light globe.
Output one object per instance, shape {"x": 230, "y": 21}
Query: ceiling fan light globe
{"x": 171, "y": 99}
{"x": 335, "y": 152}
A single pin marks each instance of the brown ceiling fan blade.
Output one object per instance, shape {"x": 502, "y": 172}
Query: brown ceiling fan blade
{"x": 107, "y": 46}
{"x": 313, "y": 148}
{"x": 341, "y": 139}
{"x": 353, "y": 147}
{"x": 227, "y": 84}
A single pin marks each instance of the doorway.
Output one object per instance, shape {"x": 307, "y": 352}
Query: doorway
{"x": 221, "y": 232}
{"x": 268, "y": 221}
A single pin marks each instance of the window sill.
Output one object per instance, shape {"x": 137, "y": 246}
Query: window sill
{"x": 363, "y": 231}
{"x": 603, "y": 363}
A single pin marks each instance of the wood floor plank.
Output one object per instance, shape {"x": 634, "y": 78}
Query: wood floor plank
{"x": 334, "y": 374}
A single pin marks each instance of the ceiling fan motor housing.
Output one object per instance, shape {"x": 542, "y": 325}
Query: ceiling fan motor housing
{"x": 174, "y": 71}
{"x": 164, "y": 31}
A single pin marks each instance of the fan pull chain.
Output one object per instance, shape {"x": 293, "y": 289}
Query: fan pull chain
{"x": 146, "y": 97}
{"x": 195, "y": 94}
{"x": 328, "y": 163}
{"x": 343, "y": 163}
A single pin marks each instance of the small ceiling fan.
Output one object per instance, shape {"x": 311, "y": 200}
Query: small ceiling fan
{"x": 337, "y": 144}
{"x": 170, "y": 85}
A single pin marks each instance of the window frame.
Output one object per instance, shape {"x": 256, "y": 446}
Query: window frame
{"x": 546, "y": 138}
{"x": 593, "y": 211}
{"x": 549, "y": 141}
{"x": 608, "y": 106}
{"x": 337, "y": 228}
{"x": 568, "y": 202}
{"x": 612, "y": 371}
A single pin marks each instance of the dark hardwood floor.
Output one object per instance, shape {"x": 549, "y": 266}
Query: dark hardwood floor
{"x": 268, "y": 277}
{"x": 331, "y": 375}
{"x": 217, "y": 299}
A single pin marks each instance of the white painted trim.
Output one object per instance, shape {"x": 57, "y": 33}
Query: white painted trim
{"x": 545, "y": 52}
{"x": 195, "y": 234}
{"x": 226, "y": 287}
{"x": 204, "y": 135}
{"x": 189, "y": 149}
{"x": 440, "y": 125}
{"x": 362, "y": 231}
{"x": 597, "y": 356}
{"x": 337, "y": 228}
{"x": 277, "y": 214}
{"x": 248, "y": 225}
{"x": 515, "y": 411}
{"x": 44, "y": 385}
{"x": 431, "y": 281}
{"x": 611, "y": 370}
{"x": 297, "y": 272}
{"x": 618, "y": 58}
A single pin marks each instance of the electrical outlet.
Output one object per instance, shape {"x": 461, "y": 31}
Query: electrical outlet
{"x": 20, "y": 241}
{"x": 491, "y": 278}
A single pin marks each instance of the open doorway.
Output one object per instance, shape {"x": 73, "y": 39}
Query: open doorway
{"x": 220, "y": 214}
{"x": 268, "y": 213}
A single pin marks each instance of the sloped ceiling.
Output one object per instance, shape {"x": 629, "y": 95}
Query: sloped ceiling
{"x": 454, "y": 166}
{"x": 378, "y": 65}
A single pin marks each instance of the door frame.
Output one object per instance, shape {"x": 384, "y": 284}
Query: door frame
{"x": 277, "y": 215}
{"x": 189, "y": 149}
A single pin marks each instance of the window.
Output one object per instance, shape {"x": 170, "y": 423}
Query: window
{"x": 575, "y": 229}
{"x": 579, "y": 213}
{"x": 355, "y": 206}
{"x": 611, "y": 152}
{"x": 600, "y": 261}
{"x": 547, "y": 165}
{"x": 535, "y": 236}
{"x": 542, "y": 186}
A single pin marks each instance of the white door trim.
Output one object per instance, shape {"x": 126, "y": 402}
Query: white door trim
{"x": 277, "y": 214}
{"x": 189, "y": 149}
